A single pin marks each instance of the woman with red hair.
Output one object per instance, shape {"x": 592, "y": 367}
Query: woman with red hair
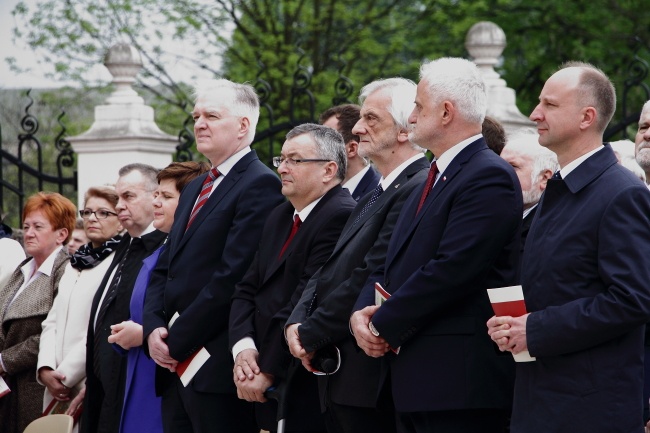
{"x": 26, "y": 299}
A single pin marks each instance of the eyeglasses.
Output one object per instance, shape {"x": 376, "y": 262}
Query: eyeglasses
{"x": 291, "y": 162}
{"x": 99, "y": 214}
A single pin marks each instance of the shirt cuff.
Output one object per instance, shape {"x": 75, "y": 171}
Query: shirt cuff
{"x": 241, "y": 345}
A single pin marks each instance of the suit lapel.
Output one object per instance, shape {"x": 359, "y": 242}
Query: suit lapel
{"x": 350, "y": 230}
{"x": 220, "y": 191}
{"x": 446, "y": 178}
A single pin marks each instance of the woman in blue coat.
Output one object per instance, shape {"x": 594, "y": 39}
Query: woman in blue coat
{"x": 141, "y": 409}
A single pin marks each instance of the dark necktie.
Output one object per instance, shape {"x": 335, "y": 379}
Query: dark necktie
{"x": 557, "y": 175}
{"x": 294, "y": 230}
{"x": 106, "y": 302}
{"x": 373, "y": 198}
{"x": 206, "y": 189}
{"x": 431, "y": 178}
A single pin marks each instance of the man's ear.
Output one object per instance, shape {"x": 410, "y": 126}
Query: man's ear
{"x": 546, "y": 175}
{"x": 448, "y": 112}
{"x": 352, "y": 148}
{"x": 589, "y": 116}
{"x": 331, "y": 168}
{"x": 244, "y": 125}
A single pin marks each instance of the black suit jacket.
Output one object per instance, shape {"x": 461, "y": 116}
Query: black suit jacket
{"x": 335, "y": 287}
{"x": 105, "y": 394}
{"x": 266, "y": 296}
{"x": 438, "y": 266}
{"x": 368, "y": 183}
{"x": 196, "y": 275}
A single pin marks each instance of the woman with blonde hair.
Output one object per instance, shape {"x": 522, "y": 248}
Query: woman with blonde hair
{"x": 62, "y": 353}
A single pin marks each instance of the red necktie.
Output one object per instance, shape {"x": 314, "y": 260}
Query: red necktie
{"x": 206, "y": 189}
{"x": 294, "y": 229}
{"x": 433, "y": 171}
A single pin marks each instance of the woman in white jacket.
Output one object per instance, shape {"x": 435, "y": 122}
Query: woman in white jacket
{"x": 62, "y": 352}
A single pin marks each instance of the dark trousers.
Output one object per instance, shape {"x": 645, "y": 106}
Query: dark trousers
{"x": 187, "y": 411}
{"x": 351, "y": 419}
{"x": 453, "y": 421}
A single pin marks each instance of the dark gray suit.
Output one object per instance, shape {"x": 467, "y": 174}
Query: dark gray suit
{"x": 333, "y": 291}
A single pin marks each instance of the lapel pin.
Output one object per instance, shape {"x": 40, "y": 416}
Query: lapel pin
{"x": 396, "y": 186}
{"x": 444, "y": 178}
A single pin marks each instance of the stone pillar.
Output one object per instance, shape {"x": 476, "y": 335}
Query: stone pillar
{"x": 124, "y": 130}
{"x": 485, "y": 41}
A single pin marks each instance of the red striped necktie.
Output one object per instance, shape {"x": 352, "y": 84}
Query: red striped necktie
{"x": 206, "y": 189}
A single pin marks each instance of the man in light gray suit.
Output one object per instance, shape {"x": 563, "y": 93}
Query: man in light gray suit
{"x": 321, "y": 317}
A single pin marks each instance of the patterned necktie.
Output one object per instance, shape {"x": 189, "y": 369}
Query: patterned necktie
{"x": 431, "y": 178}
{"x": 206, "y": 189}
{"x": 373, "y": 198}
{"x": 294, "y": 229}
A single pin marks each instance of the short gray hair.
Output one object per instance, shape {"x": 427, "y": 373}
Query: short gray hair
{"x": 402, "y": 93}
{"x": 645, "y": 109}
{"x": 527, "y": 143}
{"x": 148, "y": 172}
{"x": 329, "y": 144}
{"x": 240, "y": 100}
{"x": 459, "y": 81}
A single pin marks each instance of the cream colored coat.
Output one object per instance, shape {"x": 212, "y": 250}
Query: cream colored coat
{"x": 63, "y": 340}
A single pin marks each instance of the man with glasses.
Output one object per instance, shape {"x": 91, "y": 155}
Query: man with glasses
{"x": 105, "y": 368}
{"x": 297, "y": 239}
{"x": 320, "y": 320}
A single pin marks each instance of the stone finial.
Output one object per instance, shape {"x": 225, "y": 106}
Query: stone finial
{"x": 485, "y": 42}
{"x": 123, "y": 62}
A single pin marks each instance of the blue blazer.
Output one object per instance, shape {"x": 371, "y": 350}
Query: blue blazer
{"x": 197, "y": 273}
{"x": 586, "y": 281}
{"x": 368, "y": 183}
{"x": 438, "y": 266}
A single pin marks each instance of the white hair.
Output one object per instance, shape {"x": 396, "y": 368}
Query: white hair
{"x": 630, "y": 163}
{"x": 459, "y": 81}
{"x": 402, "y": 93}
{"x": 526, "y": 143}
{"x": 239, "y": 99}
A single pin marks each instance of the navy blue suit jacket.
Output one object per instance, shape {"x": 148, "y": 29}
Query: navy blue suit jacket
{"x": 586, "y": 281}
{"x": 264, "y": 299}
{"x": 368, "y": 183}
{"x": 438, "y": 266}
{"x": 196, "y": 275}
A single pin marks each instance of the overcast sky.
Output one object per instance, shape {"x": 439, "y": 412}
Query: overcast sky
{"x": 24, "y": 55}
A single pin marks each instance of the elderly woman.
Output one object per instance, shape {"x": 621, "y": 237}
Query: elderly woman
{"x": 139, "y": 396}
{"x": 62, "y": 353}
{"x": 48, "y": 221}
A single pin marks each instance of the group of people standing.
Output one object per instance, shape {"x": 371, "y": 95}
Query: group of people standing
{"x": 205, "y": 285}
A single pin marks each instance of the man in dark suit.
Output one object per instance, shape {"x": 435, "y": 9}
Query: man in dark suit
{"x": 450, "y": 244}
{"x": 320, "y": 319}
{"x": 361, "y": 177}
{"x": 534, "y": 166}
{"x": 588, "y": 298}
{"x": 312, "y": 166}
{"x": 105, "y": 368}
{"x": 216, "y": 230}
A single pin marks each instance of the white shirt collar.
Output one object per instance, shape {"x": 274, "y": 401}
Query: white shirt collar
{"x": 529, "y": 210}
{"x": 388, "y": 180}
{"x": 353, "y": 182}
{"x": 564, "y": 172}
{"x": 447, "y": 156}
{"x": 225, "y": 167}
{"x": 46, "y": 267}
{"x": 304, "y": 213}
